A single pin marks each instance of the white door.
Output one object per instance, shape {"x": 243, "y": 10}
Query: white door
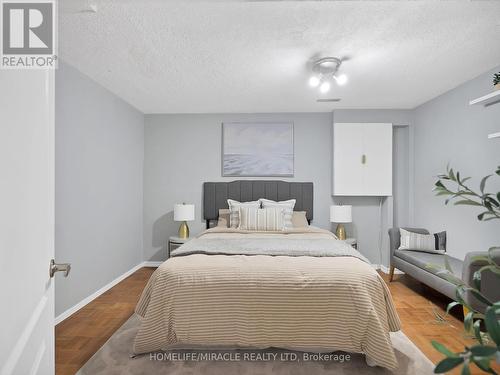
{"x": 26, "y": 221}
{"x": 377, "y": 148}
{"x": 347, "y": 163}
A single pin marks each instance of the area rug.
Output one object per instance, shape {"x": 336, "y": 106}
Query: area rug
{"x": 114, "y": 358}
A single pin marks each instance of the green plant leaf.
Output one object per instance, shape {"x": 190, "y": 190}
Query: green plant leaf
{"x": 492, "y": 326}
{"x": 480, "y": 258}
{"x": 459, "y": 292}
{"x": 467, "y": 202}
{"x": 491, "y": 218}
{"x": 493, "y": 268}
{"x": 441, "y": 192}
{"x": 477, "y": 331}
{"x": 483, "y": 351}
{"x": 465, "y": 179}
{"x": 451, "y": 175}
{"x": 443, "y": 349}
{"x": 483, "y": 364}
{"x": 447, "y": 364}
{"x": 476, "y": 279}
{"x": 481, "y": 215}
{"x": 468, "y": 321}
{"x": 492, "y": 201}
{"x": 440, "y": 184}
{"x": 483, "y": 183}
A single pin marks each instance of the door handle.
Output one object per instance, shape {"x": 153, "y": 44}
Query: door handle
{"x": 59, "y": 267}
{"x": 363, "y": 159}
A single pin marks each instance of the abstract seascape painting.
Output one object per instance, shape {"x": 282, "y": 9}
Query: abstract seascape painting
{"x": 257, "y": 149}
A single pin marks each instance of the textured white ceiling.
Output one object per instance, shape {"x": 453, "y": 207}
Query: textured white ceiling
{"x": 200, "y": 57}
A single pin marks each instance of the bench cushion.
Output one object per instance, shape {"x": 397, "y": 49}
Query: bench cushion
{"x": 421, "y": 260}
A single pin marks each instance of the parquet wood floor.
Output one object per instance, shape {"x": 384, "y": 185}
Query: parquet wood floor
{"x": 83, "y": 333}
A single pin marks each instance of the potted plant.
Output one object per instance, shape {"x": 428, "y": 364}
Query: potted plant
{"x": 486, "y": 327}
{"x": 496, "y": 81}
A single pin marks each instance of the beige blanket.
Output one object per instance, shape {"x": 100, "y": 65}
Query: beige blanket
{"x": 298, "y": 302}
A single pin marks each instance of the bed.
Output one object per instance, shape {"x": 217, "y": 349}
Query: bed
{"x": 299, "y": 289}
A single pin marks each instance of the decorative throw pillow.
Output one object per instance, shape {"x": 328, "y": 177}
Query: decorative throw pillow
{"x": 299, "y": 219}
{"x": 430, "y": 243}
{"x": 261, "y": 219}
{"x": 286, "y": 205}
{"x": 223, "y": 220}
{"x": 234, "y": 210}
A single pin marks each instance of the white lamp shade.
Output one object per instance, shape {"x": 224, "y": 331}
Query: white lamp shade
{"x": 341, "y": 214}
{"x": 184, "y": 212}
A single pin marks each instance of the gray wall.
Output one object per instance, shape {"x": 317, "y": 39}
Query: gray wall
{"x": 101, "y": 143}
{"x": 183, "y": 151}
{"x": 448, "y": 130}
{"x": 99, "y": 164}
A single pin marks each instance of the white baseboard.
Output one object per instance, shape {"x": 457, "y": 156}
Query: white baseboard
{"x": 385, "y": 269}
{"x": 152, "y": 264}
{"x": 66, "y": 314}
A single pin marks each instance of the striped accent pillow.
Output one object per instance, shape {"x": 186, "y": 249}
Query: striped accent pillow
{"x": 261, "y": 219}
{"x": 286, "y": 205}
{"x": 429, "y": 243}
{"x": 234, "y": 210}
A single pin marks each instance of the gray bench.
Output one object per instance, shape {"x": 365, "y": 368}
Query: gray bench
{"x": 415, "y": 264}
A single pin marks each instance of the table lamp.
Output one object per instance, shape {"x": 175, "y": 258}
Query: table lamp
{"x": 340, "y": 215}
{"x": 184, "y": 212}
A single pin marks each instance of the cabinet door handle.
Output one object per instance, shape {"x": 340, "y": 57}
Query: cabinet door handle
{"x": 363, "y": 159}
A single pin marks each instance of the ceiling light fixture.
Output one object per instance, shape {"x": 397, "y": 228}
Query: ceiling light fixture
{"x": 314, "y": 81}
{"x": 341, "y": 79}
{"x": 325, "y": 70}
{"x": 324, "y": 87}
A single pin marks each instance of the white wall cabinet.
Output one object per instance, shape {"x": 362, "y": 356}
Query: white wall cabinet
{"x": 362, "y": 159}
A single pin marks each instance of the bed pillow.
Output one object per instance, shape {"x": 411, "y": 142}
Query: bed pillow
{"x": 234, "y": 211}
{"x": 429, "y": 243}
{"x": 223, "y": 219}
{"x": 286, "y": 205}
{"x": 261, "y": 219}
{"x": 299, "y": 219}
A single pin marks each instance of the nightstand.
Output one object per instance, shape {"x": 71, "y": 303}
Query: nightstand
{"x": 175, "y": 242}
{"x": 353, "y": 242}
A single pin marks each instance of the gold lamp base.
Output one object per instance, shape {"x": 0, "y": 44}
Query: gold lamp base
{"x": 340, "y": 232}
{"x": 184, "y": 230}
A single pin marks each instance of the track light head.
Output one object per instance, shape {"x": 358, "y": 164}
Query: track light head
{"x": 324, "y": 87}
{"x": 340, "y": 79}
{"x": 314, "y": 81}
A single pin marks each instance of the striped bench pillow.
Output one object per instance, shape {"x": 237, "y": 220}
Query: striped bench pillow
{"x": 430, "y": 243}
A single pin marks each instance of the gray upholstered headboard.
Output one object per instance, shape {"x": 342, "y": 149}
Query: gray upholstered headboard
{"x": 216, "y": 194}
